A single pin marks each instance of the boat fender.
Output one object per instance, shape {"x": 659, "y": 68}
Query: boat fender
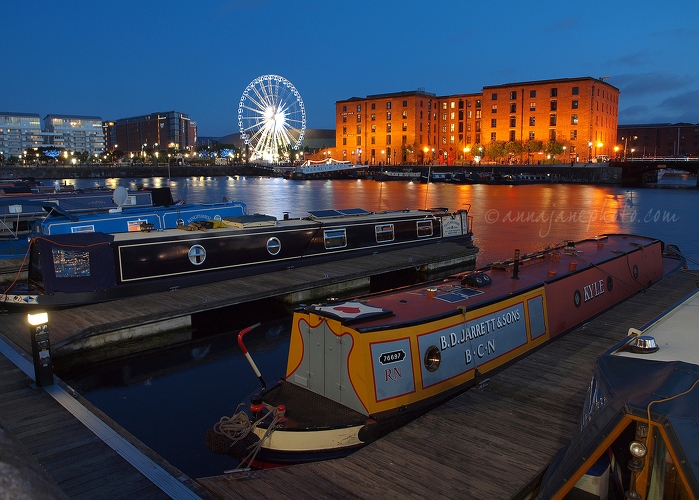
{"x": 477, "y": 280}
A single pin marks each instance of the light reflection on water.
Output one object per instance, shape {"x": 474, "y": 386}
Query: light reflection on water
{"x": 170, "y": 400}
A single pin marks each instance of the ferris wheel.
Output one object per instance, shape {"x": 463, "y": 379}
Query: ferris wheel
{"x": 272, "y": 118}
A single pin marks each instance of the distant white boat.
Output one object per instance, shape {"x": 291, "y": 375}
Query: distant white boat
{"x": 323, "y": 168}
{"x": 670, "y": 172}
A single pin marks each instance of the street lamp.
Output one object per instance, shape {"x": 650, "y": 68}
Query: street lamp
{"x": 425, "y": 150}
{"x": 589, "y": 152}
{"x": 626, "y": 143}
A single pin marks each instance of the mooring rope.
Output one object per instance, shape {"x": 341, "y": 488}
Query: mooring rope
{"x": 238, "y": 426}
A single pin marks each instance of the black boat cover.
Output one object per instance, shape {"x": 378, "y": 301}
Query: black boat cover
{"x": 80, "y": 262}
{"x": 626, "y": 386}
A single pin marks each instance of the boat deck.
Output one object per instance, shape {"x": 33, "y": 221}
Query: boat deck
{"x": 489, "y": 442}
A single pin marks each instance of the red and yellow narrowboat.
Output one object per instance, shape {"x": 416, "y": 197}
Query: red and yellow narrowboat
{"x": 359, "y": 368}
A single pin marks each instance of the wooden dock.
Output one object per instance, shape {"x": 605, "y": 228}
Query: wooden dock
{"x": 489, "y": 442}
{"x": 96, "y": 326}
{"x": 62, "y": 447}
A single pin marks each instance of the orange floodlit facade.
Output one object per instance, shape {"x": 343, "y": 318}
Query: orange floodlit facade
{"x": 419, "y": 127}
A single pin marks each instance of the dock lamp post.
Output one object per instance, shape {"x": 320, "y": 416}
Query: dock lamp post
{"x": 41, "y": 349}
{"x": 589, "y": 152}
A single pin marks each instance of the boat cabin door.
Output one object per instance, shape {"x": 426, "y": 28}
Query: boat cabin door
{"x": 324, "y": 365}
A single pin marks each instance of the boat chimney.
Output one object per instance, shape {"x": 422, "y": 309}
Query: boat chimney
{"x": 515, "y": 272}
{"x": 645, "y": 344}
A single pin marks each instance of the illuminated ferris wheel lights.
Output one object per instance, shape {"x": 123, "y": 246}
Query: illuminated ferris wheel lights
{"x": 271, "y": 116}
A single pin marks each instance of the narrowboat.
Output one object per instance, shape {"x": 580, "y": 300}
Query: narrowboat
{"x": 124, "y": 220}
{"x": 360, "y": 368}
{"x": 14, "y": 207}
{"x": 84, "y": 267}
{"x": 637, "y": 434}
{"x": 22, "y": 212}
{"x": 397, "y": 175}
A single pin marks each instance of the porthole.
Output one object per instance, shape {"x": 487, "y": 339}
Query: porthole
{"x": 577, "y": 298}
{"x": 197, "y": 255}
{"x": 610, "y": 283}
{"x": 274, "y": 246}
{"x": 635, "y": 272}
{"x": 432, "y": 358}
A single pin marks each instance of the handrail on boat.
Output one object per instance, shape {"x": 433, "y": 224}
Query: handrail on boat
{"x": 247, "y": 354}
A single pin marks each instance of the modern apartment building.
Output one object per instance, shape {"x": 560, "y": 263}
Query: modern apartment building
{"x": 75, "y": 133}
{"x": 19, "y": 132}
{"x": 160, "y": 131}
{"x": 416, "y": 126}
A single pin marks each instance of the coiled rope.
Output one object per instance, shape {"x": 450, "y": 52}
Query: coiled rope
{"x": 239, "y": 426}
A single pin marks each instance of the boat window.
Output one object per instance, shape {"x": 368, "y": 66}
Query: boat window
{"x": 665, "y": 478}
{"x": 69, "y": 263}
{"x": 197, "y": 255}
{"x": 424, "y": 228}
{"x": 335, "y": 238}
{"x": 83, "y": 229}
{"x": 384, "y": 232}
{"x": 134, "y": 225}
{"x": 274, "y": 246}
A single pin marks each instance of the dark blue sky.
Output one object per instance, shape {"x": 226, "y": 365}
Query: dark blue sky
{"x": 128, "y": 58}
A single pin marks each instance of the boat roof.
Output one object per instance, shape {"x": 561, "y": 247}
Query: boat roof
{"x": 48, "y": 205}
{"x": 443, "y": 297}
{"x": 675, "y": 335}
{"x": 662, "y": 384}
{"x": 253, "y": 222}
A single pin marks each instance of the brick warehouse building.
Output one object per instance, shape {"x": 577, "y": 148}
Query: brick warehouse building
{"x": 420, "y": 127}
{"x": 658, "y": 140}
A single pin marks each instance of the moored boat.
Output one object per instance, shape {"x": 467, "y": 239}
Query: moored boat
{"x": 23, "y": 212}
{"x": 83, "y": 267}
{"x": 134, "y": 219}
{"x": 637, "y": 433}
{"x": 360, "y": 368}
{"x": 14, "y": 206}
{"x": 397, "y": 175}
